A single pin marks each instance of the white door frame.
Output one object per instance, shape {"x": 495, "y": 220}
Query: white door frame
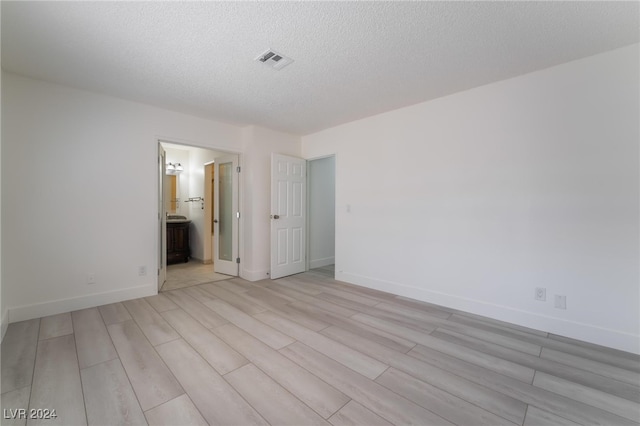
{"x": 162, "y": 219}
{"x": 162, "y": 244}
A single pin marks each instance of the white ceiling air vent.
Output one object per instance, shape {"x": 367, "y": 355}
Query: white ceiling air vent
{"x": 274, "y": 59}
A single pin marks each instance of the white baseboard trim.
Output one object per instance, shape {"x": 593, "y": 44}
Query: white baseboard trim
{"x": 255, "y": 275}
{"x": 203, "y": 261}
{"x": 319, "y": 263}
{"x": 586, "y": 332}
{"x": 5, "y": 323}
{"x": 38, "y": 310}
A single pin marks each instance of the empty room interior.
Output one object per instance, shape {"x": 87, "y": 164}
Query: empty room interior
{"x": 320, "y": 213}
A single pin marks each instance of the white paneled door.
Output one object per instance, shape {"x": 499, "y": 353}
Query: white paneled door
{"x": 226, "y": 215}
{"x": 288, "y": 215}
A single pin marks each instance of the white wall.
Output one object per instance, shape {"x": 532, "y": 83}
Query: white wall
{"x": 322, "y": 208}
{"x": 473, "y": 200}
{"x": 197, "y": 158}
{"x": 72, "y": 161}
{"x": 4, "y": 313}
{"x": 82, "y": 193}
{"x": 259, "y": 143}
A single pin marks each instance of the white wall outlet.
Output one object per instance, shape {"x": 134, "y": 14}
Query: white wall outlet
{"x": 560, "y": 302}
{"x": 91, "y": 279}
{"x": 142, "y": 271}
{"x": 540, "y": 294}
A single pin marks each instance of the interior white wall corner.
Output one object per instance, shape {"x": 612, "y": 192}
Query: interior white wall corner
{"x": 259, "y": 143}
{"x": 246, "y": 208}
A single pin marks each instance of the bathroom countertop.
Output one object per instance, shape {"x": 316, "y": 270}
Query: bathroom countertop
{"x": 176, "y": 218}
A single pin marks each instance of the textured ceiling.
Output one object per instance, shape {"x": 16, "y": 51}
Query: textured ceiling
{"x": 352, "y": 59}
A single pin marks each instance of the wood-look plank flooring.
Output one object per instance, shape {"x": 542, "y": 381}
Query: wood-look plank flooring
{"x": 306, "y": 350}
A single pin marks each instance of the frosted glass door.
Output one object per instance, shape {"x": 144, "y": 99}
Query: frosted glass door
{"x": 225, "y": 201}
{"x": 226, "y": 215}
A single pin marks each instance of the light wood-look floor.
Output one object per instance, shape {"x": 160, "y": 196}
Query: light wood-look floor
{"x": 181, "y": 275}
{"x": 306, "y": 350}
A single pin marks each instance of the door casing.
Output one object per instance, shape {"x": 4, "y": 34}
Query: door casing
{"x": 161, "y": 234}
{"x": 162, "y": 219}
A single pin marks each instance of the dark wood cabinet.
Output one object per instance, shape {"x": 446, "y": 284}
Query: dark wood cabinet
{"x": 178, "y": 242}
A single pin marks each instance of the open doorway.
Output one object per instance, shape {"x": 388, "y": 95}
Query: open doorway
{"x": 321, "y": 189}
{"x": 188, "y": 206}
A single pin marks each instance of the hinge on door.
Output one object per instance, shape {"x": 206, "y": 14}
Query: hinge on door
{"x": 237, "y": 260}
{"x": 238, "y": 169}
{"x": 237, "y": 215}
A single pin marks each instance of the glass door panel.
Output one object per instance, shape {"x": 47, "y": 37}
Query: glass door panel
{"x": 225, "y": 215}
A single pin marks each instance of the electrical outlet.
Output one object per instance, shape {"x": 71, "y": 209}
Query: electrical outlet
{"x": 142, "y": 271}
{"x": 541, "y": 294}
{"x": 560, "y": 302}
{"x": 91, "y": 279}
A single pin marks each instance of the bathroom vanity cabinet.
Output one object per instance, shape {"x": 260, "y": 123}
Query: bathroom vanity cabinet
{"x": 178, "y": 241}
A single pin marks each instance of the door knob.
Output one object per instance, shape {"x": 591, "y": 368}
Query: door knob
{"x": 275, "y": 216}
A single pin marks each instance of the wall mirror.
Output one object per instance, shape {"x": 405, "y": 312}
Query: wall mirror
{"x": 172, "y": 193}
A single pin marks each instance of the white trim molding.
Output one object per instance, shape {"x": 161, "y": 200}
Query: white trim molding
{"x": 319, "y": 263}
{"x": 616, "y": 339}
{"x": 39, "y": 310}
{"x": 258, "y": 275}
{"x": 5, "y": 323}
